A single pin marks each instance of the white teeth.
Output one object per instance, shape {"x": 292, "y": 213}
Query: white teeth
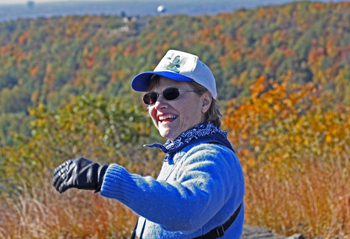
{"x": 167, "y": 117}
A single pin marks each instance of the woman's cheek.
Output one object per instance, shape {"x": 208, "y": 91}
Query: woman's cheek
{"x": 153, "y": 113}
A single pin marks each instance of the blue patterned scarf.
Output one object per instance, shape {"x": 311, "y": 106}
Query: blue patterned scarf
{"x": 204, "y": 131}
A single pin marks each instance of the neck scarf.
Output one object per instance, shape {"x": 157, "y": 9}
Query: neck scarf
{"x": 201, "y": 132}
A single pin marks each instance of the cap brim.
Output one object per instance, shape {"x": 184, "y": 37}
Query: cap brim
{"x": 141, "y": 81}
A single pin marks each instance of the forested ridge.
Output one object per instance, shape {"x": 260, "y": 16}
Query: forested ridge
{"x": 50, "y": 59}
{"x": 283, "y": 78}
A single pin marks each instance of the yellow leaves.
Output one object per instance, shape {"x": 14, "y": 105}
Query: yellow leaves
{"x": 250, "y": 162}
{"x": 269, "y": 99}
{"x": 281, "y": 121}
{"x": 86, "y": 126}
{"x": 257, "y": 87}
{"x": 150, "y": 36}
{"x": 277, "y": 108}
{"x": 69, "y": 31}
{"x": 288, "y": 103}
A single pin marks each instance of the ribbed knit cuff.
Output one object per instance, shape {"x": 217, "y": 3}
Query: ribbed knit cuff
{"x": 118, "y": 184}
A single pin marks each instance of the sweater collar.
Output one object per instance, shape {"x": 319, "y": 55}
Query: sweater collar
{"x": 197, "y": 133}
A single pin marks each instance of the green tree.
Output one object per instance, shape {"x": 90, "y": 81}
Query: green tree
{"x": 89, "y": 126}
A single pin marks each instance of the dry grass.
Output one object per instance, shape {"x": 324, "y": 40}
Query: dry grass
{"x": 314, "y": 200}
{"x": 44, "y": 213}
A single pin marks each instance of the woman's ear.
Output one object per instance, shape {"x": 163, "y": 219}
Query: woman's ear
{"x": 206, "y": 102}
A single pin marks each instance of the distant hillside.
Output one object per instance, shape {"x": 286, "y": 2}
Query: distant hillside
{"x": 50, "y": 59}
{"x": 131, "y": 8}
{"x": 116, "y": 8}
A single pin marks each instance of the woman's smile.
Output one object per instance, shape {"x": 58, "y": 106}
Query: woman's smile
{"x": 166, "y": 118}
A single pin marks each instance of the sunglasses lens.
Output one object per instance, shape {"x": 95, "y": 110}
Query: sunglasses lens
{"x": 171, "y": 93}
{"x": 168, "y": 94}
{"x": 150, "y": 98}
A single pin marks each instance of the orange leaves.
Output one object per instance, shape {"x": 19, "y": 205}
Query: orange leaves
{"x": 130, "y": 50}
{"x": 174, "y": 33}
{"x": 332, "y": 46}
{"x": 239, "y": 36}
{"x": 204, "y": 33}
{"x": 257, "y": 87}
{"x": 281, "y": 36}
{"x": 315, "y": 54}
{"x": 22, "y": 40}
{"x": 236, "y": 56}
{"x": 90, "y": 62}
{"x": 266, "y": 39}
{"x": 283, "y": 120}
{"x": 89, "y": 57}
{"x": 5, "y": 49}
{"x": 318, "y": 6}
{"x": 113, "y": 52}
{"x": 35, "y": 70}
{"x": 150, "y": 36}
{"x": 213, "y": 35}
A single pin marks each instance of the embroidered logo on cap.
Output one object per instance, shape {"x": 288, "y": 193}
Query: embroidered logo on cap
{"x": 174, "y": 65}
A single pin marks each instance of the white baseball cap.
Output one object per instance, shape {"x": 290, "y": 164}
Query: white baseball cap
{"x": 178, "y": 66}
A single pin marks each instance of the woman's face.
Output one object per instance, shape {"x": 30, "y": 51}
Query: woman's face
{"x": 173, "y": 117}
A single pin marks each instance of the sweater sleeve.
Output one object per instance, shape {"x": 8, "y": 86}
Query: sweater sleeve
{"x": 208, "y": 176}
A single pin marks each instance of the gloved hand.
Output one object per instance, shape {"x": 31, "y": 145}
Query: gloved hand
{"x": 79, "y": 173}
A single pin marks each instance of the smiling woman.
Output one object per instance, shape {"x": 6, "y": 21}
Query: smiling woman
{"x": 175, "y": 116}
{"x": 199, "y": 191}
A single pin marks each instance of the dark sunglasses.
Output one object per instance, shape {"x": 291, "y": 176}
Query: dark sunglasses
{"x": 168, "y": 94}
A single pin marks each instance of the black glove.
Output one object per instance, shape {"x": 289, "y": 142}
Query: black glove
{"x": 79, "y": 173}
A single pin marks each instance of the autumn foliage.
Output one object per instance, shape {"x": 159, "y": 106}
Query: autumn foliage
{"x": 92, "y": 127}
{"x": 294, "y": 147}
{"x": 283, "y": 121}
{"x": 292, "y": 142}
{"x": 282, "y": 74}
{"x": 47, "y": 60}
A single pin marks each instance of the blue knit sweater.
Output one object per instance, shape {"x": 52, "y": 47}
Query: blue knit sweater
{"x": 198, "y": 189}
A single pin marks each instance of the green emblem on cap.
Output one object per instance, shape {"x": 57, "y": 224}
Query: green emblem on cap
{"x": 174, "y": 65}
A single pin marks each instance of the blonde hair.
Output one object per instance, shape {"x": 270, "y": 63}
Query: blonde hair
{"x": 213, "y": 114}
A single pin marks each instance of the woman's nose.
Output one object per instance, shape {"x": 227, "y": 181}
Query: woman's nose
{"x": 161, "y": 103}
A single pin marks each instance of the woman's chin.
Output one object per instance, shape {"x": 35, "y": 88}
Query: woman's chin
{"x": 166, "y": 133}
